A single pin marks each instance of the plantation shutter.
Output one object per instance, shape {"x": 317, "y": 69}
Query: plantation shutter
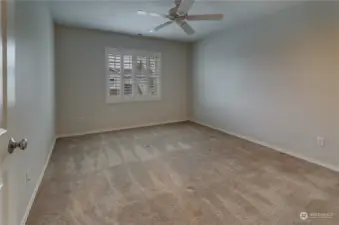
{"x": 133, "y": 75}
{"x": 114, "y": 74}
{"x": 128, "y": 75}
{"x": 141, "y": 76}
{"x": 154, "y": 75}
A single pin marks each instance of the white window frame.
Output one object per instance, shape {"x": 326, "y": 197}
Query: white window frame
{"x": 134, "y": 97}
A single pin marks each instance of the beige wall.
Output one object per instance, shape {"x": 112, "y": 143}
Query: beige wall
{"x": 275, "y": 81}
{"x": 34, "y": 96}
{"x": 80, "y": 82}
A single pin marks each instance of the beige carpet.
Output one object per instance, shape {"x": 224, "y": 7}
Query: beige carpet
{"x": 180, "y": 174}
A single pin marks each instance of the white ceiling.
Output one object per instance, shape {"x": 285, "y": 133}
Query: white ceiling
{"x": 121, "y": 16}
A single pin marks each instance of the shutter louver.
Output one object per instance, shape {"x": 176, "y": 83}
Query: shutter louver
{"x": 154, "y": 78}
{"x": 114, "y": 76}
{"x": 141, "y": 76}
{"x": 128, "y": 75}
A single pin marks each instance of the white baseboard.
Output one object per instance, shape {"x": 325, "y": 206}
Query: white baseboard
{"x": 120, "y": 128}
{"x": 31, "y": 201}
{"x": 276, "y": 148}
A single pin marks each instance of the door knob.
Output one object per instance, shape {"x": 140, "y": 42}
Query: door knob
{"x": 12, "y": 144}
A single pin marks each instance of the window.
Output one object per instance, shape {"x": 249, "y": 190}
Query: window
{"x": 133, "y": 75}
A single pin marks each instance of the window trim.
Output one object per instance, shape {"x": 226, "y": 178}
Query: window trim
{"x": 121, "y": 98}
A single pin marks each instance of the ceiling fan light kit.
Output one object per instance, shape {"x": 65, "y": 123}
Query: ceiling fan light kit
{"x": 179, "y": 15}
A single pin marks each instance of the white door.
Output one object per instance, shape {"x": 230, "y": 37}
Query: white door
{"x": 8, "y": 128}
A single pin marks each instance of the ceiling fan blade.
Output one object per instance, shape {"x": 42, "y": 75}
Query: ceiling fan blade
{"x": 144, "y": 13}
{"x": 205, "y": 17}
{"x": 161, "y": 26}
{"x": 184, "y": 7}
{"x": 185, "y": 26}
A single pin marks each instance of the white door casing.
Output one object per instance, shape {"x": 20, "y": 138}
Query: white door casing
{"x": 8, "y": 127}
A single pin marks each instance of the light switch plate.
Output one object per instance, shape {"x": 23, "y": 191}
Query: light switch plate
{"x": 321, "y": 141}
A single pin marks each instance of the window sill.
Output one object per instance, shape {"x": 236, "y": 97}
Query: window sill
{"x": 112, "y": 100}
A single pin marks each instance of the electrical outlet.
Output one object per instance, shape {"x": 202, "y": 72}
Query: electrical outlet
{"x": 321, "y": 141}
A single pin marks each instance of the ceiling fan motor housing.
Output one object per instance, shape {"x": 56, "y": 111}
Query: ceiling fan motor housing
{"x": 173, "y": 13}
{"x": 177, "y": 2}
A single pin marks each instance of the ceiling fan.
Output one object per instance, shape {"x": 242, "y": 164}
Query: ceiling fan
{"x": 179, "y": 15}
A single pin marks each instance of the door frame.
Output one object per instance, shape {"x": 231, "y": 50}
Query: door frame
{"x": 8, "y": 203}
